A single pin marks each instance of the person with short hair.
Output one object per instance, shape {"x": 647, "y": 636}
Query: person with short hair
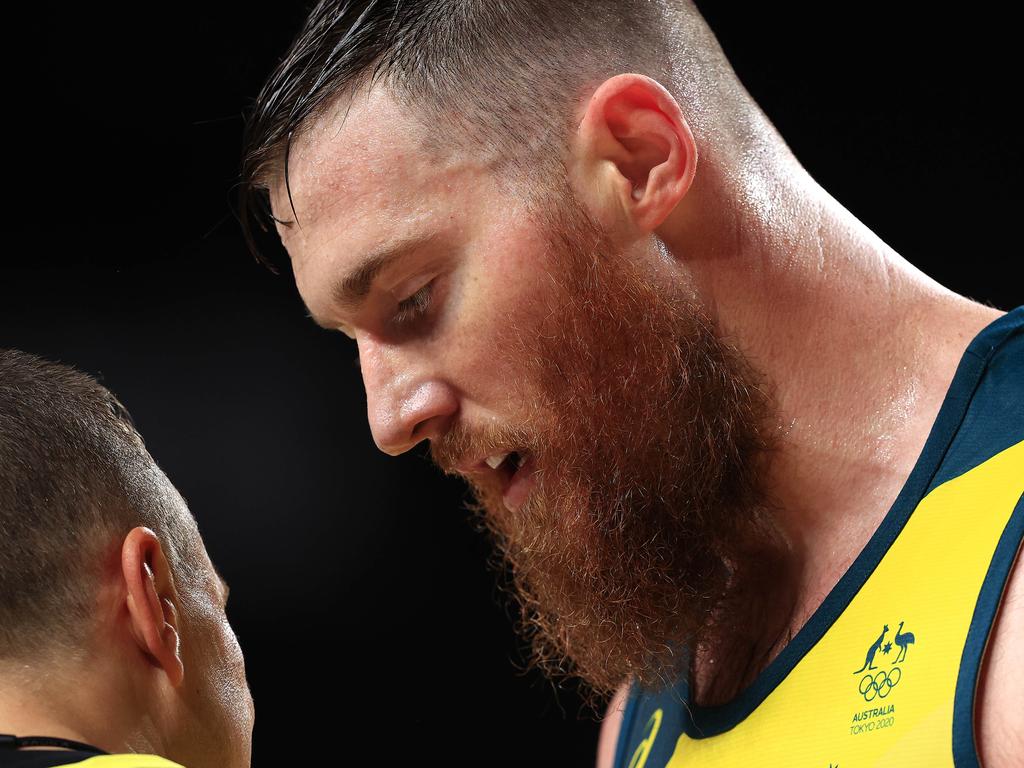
{"x": 115, "y": 650}
{"x": 756, "y": 477}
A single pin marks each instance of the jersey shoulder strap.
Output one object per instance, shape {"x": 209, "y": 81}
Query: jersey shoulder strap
{"x": 885, "y": 671}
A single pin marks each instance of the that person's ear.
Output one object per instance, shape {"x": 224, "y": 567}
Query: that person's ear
{"x": 633, "y": 156}
{"x": 151, "y": 601}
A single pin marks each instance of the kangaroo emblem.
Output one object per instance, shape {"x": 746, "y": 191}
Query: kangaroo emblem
{"x": 903, "y": 639}
{"x": 868, "y": 662}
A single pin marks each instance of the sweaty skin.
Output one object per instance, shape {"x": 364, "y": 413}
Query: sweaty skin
{"x": 838, "y": 326}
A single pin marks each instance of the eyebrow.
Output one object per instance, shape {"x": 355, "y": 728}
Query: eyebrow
{"x": 351, "y": 291}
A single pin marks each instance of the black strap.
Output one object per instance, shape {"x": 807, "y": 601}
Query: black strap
{"x": 10, "y": 741}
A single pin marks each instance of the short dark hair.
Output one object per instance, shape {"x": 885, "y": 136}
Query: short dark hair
{"x": 75, "y": 477}
{"x": 496, "y": 77}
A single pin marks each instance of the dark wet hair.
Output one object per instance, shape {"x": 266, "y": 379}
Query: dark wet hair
{"x": 501, "y": 78}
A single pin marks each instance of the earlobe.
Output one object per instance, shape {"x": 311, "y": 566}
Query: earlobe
{"x": 150, "y": 599}
{"x": 635, "y": 152}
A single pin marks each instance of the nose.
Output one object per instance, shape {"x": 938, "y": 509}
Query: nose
{"x": 406, "y": 400}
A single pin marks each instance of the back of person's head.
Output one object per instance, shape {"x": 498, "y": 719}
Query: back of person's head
{"x": 112, "y": 624}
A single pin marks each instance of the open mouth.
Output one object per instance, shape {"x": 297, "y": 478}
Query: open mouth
{"x": 506, "y": 465}
{"x": 515, "y": 471}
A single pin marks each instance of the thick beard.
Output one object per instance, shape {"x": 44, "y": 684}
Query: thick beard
{"x": 648, "y": 436}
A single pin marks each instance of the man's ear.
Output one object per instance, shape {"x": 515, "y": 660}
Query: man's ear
{"x": 633, "y": 154}
{"x": 152, "y": 601}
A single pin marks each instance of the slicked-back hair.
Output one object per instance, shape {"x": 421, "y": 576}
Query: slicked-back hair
{"x": 75, "y": 478}
{"x": 500, "y": 78}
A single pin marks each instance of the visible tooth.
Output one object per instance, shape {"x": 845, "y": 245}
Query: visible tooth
{"x": 521, "y": 460}
{"x": 495, "y": 461}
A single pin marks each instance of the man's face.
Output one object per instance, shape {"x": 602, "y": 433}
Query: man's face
{"x": 428, "y": 322}
{"x": 630, "y": 431}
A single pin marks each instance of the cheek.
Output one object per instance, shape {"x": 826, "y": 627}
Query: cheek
{"x": 222, "y": 650}
{"x": 237, "y": 700}
{"x": 231, "y": 652}
{"x": 503, "y": 288}
{"x": 497, "y": 310}
{"x": 510, "y": 290}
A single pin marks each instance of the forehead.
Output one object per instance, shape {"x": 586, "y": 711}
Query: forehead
{"x": 360, "y": 178}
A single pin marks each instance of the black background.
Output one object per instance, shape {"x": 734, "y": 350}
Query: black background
{"x": 371, "y": 626}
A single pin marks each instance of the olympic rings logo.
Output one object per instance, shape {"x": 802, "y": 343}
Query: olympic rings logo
{"x": 880, "y": 684}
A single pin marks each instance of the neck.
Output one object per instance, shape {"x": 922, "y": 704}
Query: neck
{"x": 858, "y": 348}
{"x": 43, "y": 725}
{"x": 92, "y": 709}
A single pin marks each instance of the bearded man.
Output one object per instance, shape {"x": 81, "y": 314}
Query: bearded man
{"x": 718, "y": 429}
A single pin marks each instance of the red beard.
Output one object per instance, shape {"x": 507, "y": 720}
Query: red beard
{"x": 647, "y": 432}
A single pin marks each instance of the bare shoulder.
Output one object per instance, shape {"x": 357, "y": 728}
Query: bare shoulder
{"x": 999, "y": 708}
{"x": 610, "y": 727}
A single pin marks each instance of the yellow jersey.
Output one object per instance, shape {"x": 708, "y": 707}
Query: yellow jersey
{"x": 884, "y": 672}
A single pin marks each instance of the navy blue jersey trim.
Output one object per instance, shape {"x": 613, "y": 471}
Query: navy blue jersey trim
{"x": 965, "y": 749}
{"x": 703, "y": 722}
{"x": 995, "y": 419}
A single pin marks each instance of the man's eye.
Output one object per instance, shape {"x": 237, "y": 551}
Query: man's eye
{"x": 413, "y": 307}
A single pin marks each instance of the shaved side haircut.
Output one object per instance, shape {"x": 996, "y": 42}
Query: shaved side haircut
{"x": 501, "y": 81}
{"x": 75, "y": 478}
